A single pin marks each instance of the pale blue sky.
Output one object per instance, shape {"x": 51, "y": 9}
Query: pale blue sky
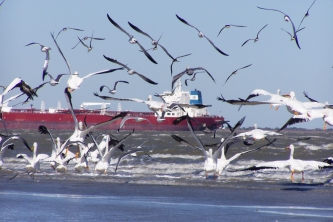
{"x": 276, "y": 61}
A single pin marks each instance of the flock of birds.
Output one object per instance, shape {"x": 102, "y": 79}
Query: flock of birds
{"x": 102, "y": 152}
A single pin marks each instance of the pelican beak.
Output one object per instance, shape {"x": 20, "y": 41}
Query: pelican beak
{"x": 308, "y": 115}
{"x": 286, "y": 95}
{"x": 287, "y": 148}
{"x": 77, "y": 155}
{"x": 32, "y": 148}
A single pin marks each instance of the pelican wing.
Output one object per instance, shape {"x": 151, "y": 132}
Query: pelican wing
{"x": 218, "y": 153}
{"x": 249, "y": 151}
{"x": 24, "y": 156}
{"x": 68, "y": 66}
{"x": 115, "y": 61}
{"x": 146, "y": 79}
{"x": 184, "y": 142}
{"x": 219, "y": 50}
{"x": 185, "y": 22}
{"x": 139, "y": 30}
{"x": 146, "y": 53}
{"x": 268, "y": 165}
{"x": 115, "y": 24}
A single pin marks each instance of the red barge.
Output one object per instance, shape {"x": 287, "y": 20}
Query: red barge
{"x": 61, "y": 119}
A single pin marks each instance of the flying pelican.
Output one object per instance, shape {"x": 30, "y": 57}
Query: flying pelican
{"x": 130, "y": 71}
{"x": 235, "y": 72}
{"x": 132, "y": 40}
{"x": 55, "y": 81}
{"x": 112, "y": 91}
{"x": 153, "y": 42}
{"x": 228, "y": 26}
{"x": 291, "y": 36}
{"x": 189, "y": 71}
{"x": 257, "y": 38}
{"x": 47, "y": 58}
{"x": 210, "y": 157}
{"x": 258, "y": 134}
{"x": 326, "y": 114}
{"x": 201, "y": 35}
{"x": 74, "y": 81}
{"x": 88, "y": 47}
{"x": 85, "y": 38}
{"x": 287, "y": 19}
{"x": 293, "y": 105}
{"x": 22, "y": 85}
{"x": 66, "y": 28}
{"x": 294, "y": 165}
{"x": 176, "y": 60}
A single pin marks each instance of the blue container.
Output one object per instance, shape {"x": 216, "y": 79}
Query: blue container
{"x": 195, "y": 97}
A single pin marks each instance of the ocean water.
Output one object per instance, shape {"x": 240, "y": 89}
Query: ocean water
{"x": 171, "y": 186}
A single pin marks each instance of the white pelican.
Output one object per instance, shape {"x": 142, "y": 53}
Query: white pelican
{"x": 96, "y": 155}
{"x": 112, "y": 91}
{"x": 55, "y": 145}
{"x": 222, "y": 162}
{"x": 22, "y": 85}
{"x": 132, "y": 40}
{"x": 74, "y": 81}
{"x": 80, "y": 156}
{"x": 34, "y": 162}
{"x": 153, "y": 42}
{"x": 255, "y": 39}
{"x": 189, "y": 71}
{"x": 235, "y": 72}
{"x": 104, "y": 163}
{"x": 273, "y": 97}
{"x": 201, "y": 35}
{"x": 228, "y": 26}
{"x": 47, "y": 58}
{"x": 293, "y": 165}
{"x": 210, "y": 157}
{"x": 131, "y": 71}
{"x": 287, "y": 19}
{"x": 257, "y": 134}
{"x": 87, "y": 37}
{"x": 291, "y": 36}
{"x": 176, "y": 60}
{"x": 293, "y": 105}
{"x": 326, "y": 114}
{"x": 88, "y": 47}
{"x": 55, "y": 81}
{"x": 66, "y": 28}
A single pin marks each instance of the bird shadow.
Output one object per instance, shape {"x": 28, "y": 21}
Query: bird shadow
{"x": 301, "y": 186}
